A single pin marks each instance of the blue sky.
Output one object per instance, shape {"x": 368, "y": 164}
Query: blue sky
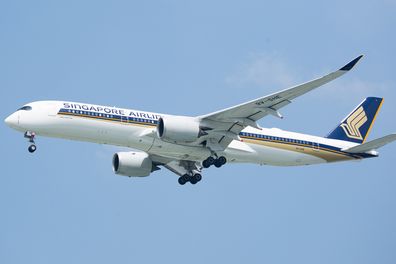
{"x": 64, "y": 204}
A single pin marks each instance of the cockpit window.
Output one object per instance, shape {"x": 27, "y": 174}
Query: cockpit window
{"x": 25, "y": 108}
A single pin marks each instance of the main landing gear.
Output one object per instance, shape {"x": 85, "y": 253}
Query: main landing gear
{"x": 193, "y": 175}
{"x": 30, "y": 135}
{"x": 218, "y": 162}
{"x": 193, "y": 179}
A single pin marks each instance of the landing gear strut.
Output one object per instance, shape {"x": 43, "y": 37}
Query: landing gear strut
{"x": 30, "y": 135}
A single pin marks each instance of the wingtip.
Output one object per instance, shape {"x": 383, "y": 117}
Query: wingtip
{"x": 350, "y": 65}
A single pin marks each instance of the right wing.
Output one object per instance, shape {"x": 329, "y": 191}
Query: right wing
{"x": 225, "y": 125}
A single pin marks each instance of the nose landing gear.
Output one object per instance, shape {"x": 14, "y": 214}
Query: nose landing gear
{"x": 30, "y": 135}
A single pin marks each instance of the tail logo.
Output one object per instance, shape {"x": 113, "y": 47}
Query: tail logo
{"x": 354, "y": 122}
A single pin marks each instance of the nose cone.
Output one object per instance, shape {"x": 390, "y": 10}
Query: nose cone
{"x": 12, "y": 120}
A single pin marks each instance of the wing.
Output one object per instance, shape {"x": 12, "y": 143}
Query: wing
{"x": 225, "y": 125}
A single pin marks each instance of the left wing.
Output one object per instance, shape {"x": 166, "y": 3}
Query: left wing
{"x": 225, "y": 125}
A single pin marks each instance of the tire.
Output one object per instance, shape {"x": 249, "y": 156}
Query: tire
{"x": 193, "y": 180}
{"x": 198, "y": 177}
{"x": 211, "y": 161}
{"x": 222, "y": 160}
{"x": 208, "y": 162}
{"x": 32, "y": 148}
{"x": 218, "y": 164}
{"x": 205, "y": 164}
{"x": 181, "y": 180}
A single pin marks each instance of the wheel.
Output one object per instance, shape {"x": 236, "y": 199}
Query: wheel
{"x": 198, "y": 177}
{"x": 181, "y": 180}
{"x": 222, "y": 160}
{"x": 32, "y": 148}
{"x": 208, "y": 162}
{"x": 205, "y": 164}
{"x": 193, "y": 180}
{"x": 186, "y": 177}
{"x": 218, "y": 163}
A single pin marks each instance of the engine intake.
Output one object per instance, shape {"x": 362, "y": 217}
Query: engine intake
{"x": 133, "y": 164}
{"x": 178, "y": 129}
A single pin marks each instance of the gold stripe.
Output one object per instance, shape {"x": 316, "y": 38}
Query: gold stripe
{"x": 327, "y": 154}
{"x": 372, "y": 122}
{"x": 107, "y": 119}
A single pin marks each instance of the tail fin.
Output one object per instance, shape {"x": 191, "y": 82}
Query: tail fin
{"x": 356, "y": 126}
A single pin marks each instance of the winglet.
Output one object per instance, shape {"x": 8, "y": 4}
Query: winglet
{"x": 350, "y": 65}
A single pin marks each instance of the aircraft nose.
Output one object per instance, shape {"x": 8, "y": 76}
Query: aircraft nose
{"x": 12, "y": 120}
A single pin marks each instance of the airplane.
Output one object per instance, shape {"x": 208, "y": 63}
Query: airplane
{"x": 188, "y": 144}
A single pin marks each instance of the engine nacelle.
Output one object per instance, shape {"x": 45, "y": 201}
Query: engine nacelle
{"x": 178, "y": 129}
{"x": 135, "y": 164}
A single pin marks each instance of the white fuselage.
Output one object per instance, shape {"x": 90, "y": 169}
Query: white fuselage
{"x": 137, "y": 129}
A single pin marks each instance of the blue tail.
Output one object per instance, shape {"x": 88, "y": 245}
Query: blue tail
{"x": 356, "y": 126}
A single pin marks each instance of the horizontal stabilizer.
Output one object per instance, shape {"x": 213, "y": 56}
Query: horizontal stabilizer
{"x": 372, "y": 145}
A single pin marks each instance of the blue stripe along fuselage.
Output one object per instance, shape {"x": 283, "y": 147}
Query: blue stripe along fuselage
{"x": 303, "y": 143}
{"x": 252, "y": 136}
{"x": 108, "y": 117}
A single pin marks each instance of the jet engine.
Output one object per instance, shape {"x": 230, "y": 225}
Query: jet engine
{"x": 133, "y": 164}
{"x": 179, "y": 129}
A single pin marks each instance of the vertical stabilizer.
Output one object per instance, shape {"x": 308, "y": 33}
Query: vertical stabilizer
{"x": 356, "y": 126}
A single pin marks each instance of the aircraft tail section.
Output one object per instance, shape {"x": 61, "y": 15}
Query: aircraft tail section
{"x": 356, "y": 126}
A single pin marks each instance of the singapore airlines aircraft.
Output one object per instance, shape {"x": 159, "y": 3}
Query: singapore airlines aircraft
{"x": 185, "y": 145}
